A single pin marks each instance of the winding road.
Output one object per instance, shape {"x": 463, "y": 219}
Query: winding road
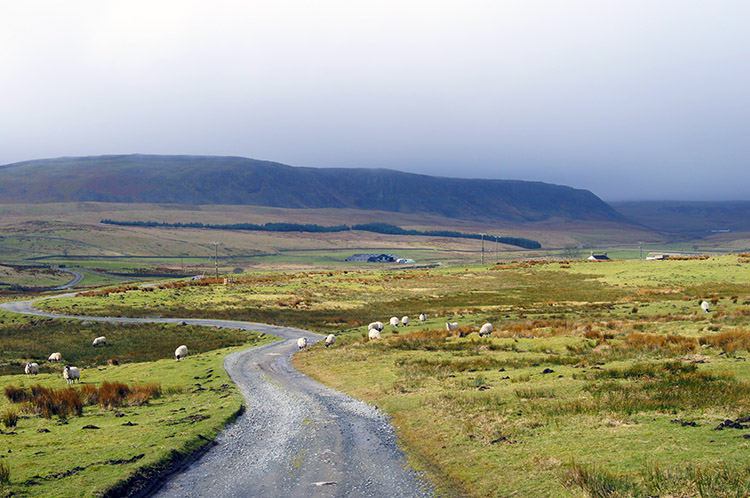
{"x": 297, "y": 438}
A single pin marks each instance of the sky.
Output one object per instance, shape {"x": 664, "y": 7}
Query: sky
{"x": 631, "y": 99}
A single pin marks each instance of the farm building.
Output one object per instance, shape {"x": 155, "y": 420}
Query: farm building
{"x": 598, "y": 257}
{"x": 373, "y": 258}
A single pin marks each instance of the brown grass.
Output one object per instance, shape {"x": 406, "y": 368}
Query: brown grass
{"x": 9, "y": 417}
{"x": 729, "y": 341}
{"x": 116, "y": 394}
{"x": 671, "y": 344}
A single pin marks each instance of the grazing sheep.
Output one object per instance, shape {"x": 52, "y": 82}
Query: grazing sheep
{"x": 31, "y": 369}
{"x": 374, "y": 334}
{"x": 705, "y": 306}
{"x": 376, "y": 326}
{"x": 405, "y": 321}
{"x": 302, "y": 343}
{"x": 486, "y": 330}
{"x": 394, "y": 321}
{"x": 71, "y": 374}
{"x": 451, "y": 325}
{"x": 330, "y": 340}
{"x": 422, "y": 318}
{"x": 180, "y": 353}
{"x": 55, "y": 357}
{"x": 100, "y": 341}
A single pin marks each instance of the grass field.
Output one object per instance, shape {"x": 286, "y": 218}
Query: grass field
{"x": 61, "y": 455}
{"x": 600, "y": 379}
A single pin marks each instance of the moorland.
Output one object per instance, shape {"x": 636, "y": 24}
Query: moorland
{"x": 599, "y": 379}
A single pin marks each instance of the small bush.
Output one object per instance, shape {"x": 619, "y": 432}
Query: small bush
{"x": 10, "y": 418}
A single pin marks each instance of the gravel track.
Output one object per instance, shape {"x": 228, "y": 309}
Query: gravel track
{"x": 297, "y": 438}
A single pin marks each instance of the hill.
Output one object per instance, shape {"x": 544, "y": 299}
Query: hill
{"x": 688, "y": 217}
{"x": 205, "y": 180}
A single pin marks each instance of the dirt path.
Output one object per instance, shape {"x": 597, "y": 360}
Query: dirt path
{"x": 298, "y": 438}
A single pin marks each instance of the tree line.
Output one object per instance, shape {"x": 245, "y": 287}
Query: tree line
{"x": 383, "y": 228}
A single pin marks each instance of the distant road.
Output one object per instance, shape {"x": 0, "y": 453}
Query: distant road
{"x": 77, "y": 277}
{"x": 298, "y": 438}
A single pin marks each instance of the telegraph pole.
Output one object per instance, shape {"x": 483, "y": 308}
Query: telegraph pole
{"x": 482, "y": 234}
{"x": 497, "y": 252}
{"x": 216, "y": 260}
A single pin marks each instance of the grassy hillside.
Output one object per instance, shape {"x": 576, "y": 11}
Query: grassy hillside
{"x": 199, "y": 180}
{"x": 599, "y": 379}
{"x": 174, "y": 409}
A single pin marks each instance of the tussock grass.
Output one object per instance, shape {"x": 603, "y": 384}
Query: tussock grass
{"x": 668, "y": 387}
{"x": 47, "y": 402}
{"x": 9, "y": 417}
{"x": 667, "y": 344}
{"x": 4, "y": 473}
{"x": 729, "y": 341}
{"x": 715, "y": 480}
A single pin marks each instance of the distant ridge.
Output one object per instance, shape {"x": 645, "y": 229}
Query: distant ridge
{"x": 197, "y": 180}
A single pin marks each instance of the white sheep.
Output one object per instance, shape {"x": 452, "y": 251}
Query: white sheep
{"x": 376, "y": 326}
{"x": 451, "y": 325}
{"x": 405, "y": 321}
{"x": 31, "y": 369}
{"x": 302, "y": 343}
{"x": 100, "y": 341}
{"x": 394, "y": 321}
{"x": 180, "y": 353}
{"x": 374, "y": 334}
{"x": 55, "y": 357}
{"x": 71, "y": 374}
{"x": 705, "y": 306}
{"x": 422, "y": 318}
{"x": 330, "y": 340}
{"x": 486, "y": 330}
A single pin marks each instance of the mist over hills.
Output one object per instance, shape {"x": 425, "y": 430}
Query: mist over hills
{"x": 197, "y": 180}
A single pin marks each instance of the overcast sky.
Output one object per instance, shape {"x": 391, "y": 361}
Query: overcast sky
{"x": 631, "y": 99}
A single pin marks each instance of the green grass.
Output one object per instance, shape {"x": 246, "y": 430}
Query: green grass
{"x": 598, "y": 378}
{"x": 69, "y": 461}
{"x": 197, "y": 399}
{"x": 36, "y": 338}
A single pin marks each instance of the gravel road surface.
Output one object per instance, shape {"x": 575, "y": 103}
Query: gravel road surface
{"x": 298, "y": 438}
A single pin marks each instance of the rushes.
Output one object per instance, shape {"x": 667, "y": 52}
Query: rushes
{"x": 667, "y": 387}
{"x": 9, "y": 418}
{"x": 48, "y": 402}
{"x": 730, "y": 341}
{"x": 714, "y": 480}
